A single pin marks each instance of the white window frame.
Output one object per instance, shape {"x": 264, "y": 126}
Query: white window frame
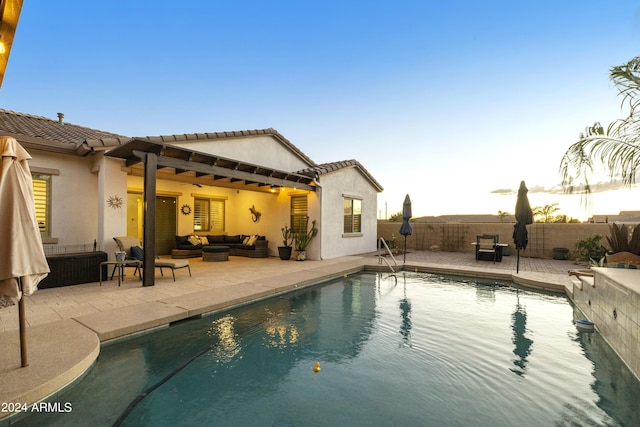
{"x": 42, "y": 184}
{"x": 352, "y": 215}
{"x": 216, "y": 212}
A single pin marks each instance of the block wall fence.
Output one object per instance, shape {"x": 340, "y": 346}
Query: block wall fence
{"x": 457, "y": 237}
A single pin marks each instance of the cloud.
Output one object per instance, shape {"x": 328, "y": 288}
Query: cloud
{"x": 504, "y": 192}
{"x": 598, "y": 187}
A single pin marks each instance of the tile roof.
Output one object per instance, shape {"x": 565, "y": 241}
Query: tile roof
{"x": 47, "y": 134}
{"x": 325, "y": 168}
{"x": 50, "y": 135}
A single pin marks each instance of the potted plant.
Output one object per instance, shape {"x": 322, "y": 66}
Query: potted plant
{"x": 588, "y": 248}
{"x": 625, "y": 245}
{"x": 303, "y": 237}
{"x": 284, "y": 251}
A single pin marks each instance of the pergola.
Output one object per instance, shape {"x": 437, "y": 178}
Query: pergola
{"x": 186, "y": 164}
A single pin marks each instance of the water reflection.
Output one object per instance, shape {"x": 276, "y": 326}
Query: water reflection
{"x": 280, "y": 332}
{"x": 613, "y": 382}
{"x": 223, "y": 330}
{"x": 522, "y": 343}
{"x": 405, "y": 315}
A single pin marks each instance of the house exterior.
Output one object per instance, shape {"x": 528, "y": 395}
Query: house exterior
{"x": 91, "y": 187}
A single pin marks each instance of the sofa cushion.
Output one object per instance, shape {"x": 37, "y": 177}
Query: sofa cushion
{"x": 215, "y": 239}
{"x": 188, "y": 247}
{"x": 233, "y": 239}
{"x": 181, "y": 240}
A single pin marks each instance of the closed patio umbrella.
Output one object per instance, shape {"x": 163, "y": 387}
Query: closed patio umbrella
{"x": 524, "y": 216}
{"x": 405, "y": 228}
{"x": 23, "y": 263}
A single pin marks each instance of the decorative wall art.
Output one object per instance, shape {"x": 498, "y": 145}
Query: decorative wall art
{"x": 185, "y": 209}
{"x": 115, "y": 202}
{"x": 255, "y": 215}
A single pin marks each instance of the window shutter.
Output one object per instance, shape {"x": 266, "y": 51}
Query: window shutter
{"x": 217, "y": 215}
{"x": 41, "y": 192}
{"x": 298, "y": 213}
{"x": 201, "y": 214}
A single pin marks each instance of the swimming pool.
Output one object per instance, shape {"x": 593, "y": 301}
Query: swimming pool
{"x": 405, "y": 349}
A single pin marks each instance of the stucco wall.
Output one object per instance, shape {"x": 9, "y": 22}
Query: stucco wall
{"x": 74, "y": 192}
{"x": 112, "y": 222}
{"x": 335, "y": 186}
{"x": 261, "y": 150}
{"x": 458, "y": 237}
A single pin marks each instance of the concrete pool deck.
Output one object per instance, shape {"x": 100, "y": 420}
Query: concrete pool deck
{"x": 67, "y": 325}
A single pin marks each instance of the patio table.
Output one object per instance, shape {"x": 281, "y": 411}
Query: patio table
{"x": 120, "y": 266}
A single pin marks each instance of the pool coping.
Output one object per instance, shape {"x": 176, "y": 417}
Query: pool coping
{"x": 77, "y": 341}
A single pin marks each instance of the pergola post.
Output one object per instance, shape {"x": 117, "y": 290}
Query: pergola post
{"x": 149, "y": 225}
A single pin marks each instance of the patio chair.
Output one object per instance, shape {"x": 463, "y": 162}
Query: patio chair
{"x": 125, "y": 243}
{"x": 487, "y": 247}
{"x": 173, "y": 265}
{"x": 131, "y": 245}
{"x": 132, "y": 248}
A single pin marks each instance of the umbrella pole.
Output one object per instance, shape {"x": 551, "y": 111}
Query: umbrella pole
{"x": 518, "y": 262}
{"x": 404, "y": 254}
{"x": 23, "y": 332}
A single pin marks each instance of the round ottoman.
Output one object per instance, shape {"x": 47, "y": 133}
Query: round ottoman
{"x": 215, "y": 253}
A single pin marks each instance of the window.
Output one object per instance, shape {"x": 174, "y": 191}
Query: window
{"x": 42, "y": 195}
{"x": 208, "y": 214}
{"x": 352, "y": 215}
{"x": 298, "y": 213}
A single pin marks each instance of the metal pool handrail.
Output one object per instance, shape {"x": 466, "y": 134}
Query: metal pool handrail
{"x": 381, "y": 258}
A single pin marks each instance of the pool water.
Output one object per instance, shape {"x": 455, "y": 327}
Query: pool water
{"x": 398, "y": 350}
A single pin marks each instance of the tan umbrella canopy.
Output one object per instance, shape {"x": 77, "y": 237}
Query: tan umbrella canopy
{"x": 23, "y": 263}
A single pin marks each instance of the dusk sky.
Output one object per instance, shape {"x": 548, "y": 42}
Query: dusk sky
{"x": 452, "y": 102}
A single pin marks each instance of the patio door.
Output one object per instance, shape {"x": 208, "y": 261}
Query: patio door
{"x": 166, "y": 223}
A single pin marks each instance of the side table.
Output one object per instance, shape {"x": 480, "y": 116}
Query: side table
{"x": 120, "y": 266}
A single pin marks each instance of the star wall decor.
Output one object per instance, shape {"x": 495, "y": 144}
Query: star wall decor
{"x": 115, "y": 202}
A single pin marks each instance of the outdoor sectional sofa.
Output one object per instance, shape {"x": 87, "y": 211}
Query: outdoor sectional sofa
{"x": 237, "y": 245}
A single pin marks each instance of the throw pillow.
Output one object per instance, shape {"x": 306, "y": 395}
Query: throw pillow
{"x": 194, "y": 240}
{"x": 137, "y": 253}
{"x": 252, "y": 240}
{"x": 204, "y": 240}
{"x": 246, "y": 240}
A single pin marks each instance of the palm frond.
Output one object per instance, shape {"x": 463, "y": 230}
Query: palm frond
{"x": 616, "y": 147}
